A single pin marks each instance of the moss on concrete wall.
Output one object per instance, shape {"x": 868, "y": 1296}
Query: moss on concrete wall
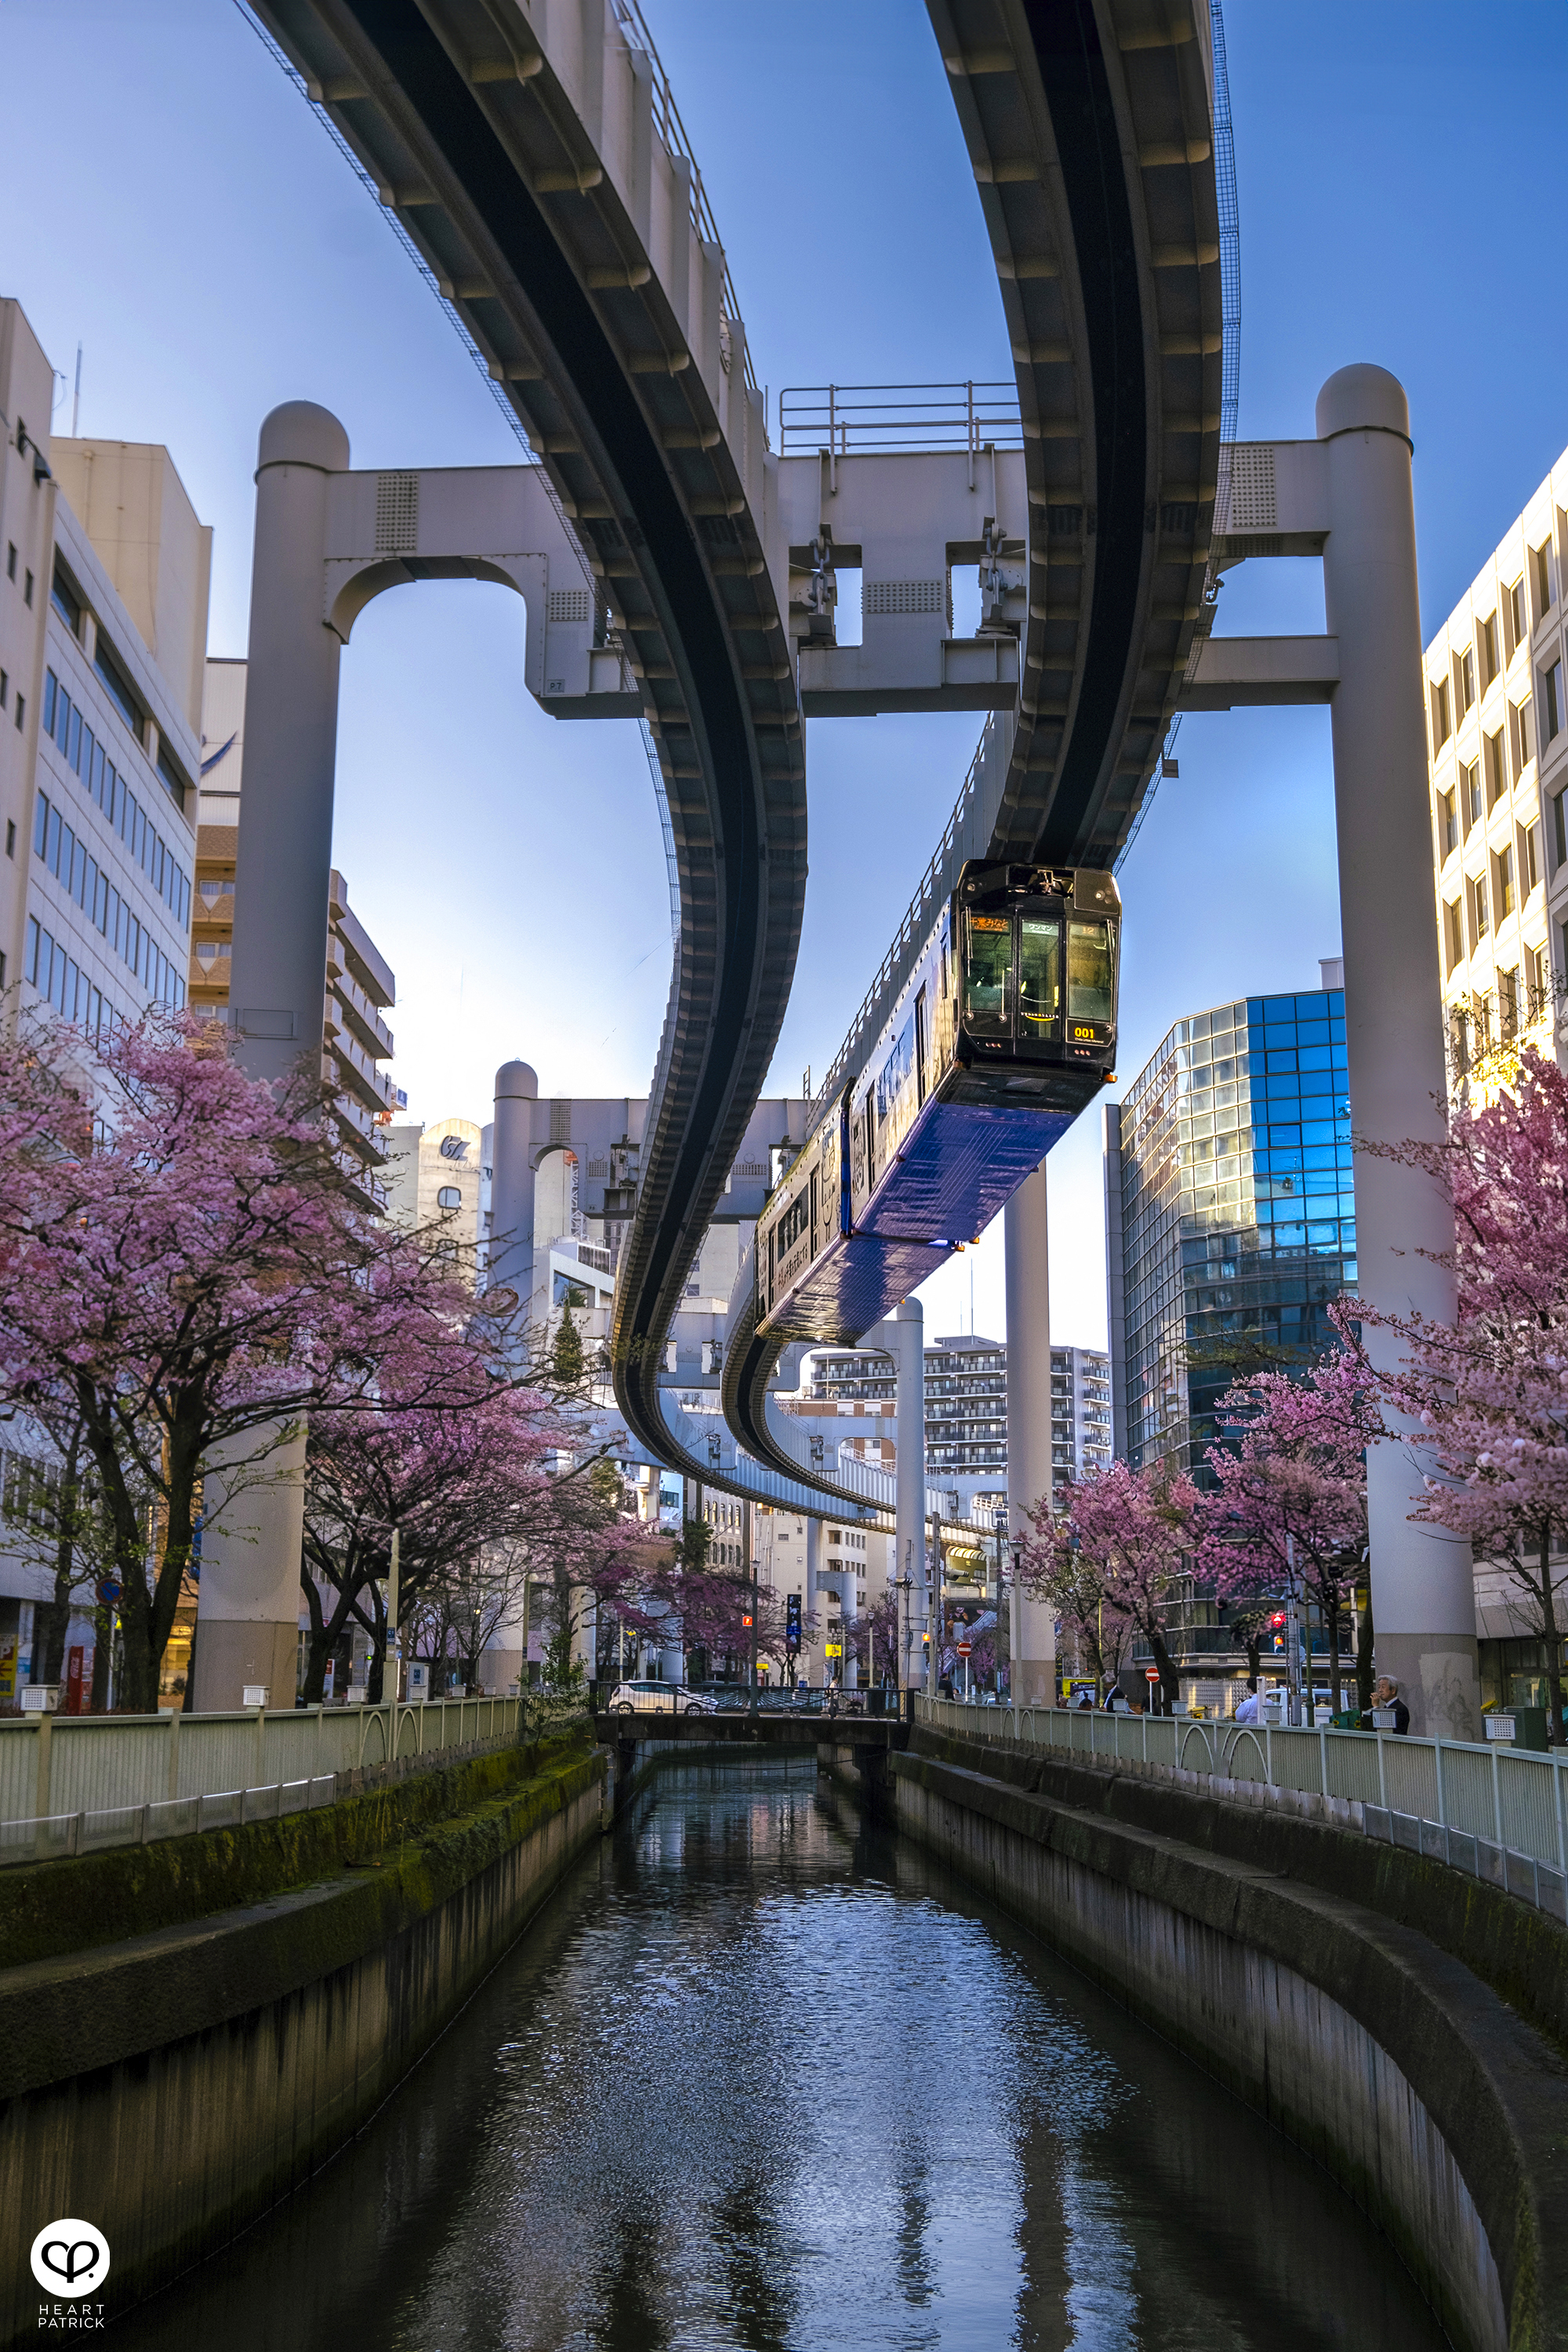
{"x": 51, "y": 1908}
{"x": 174, "y": 2084}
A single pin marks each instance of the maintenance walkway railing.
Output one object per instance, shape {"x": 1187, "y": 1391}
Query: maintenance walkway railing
{"x": 69, "y": 1784}
{"x": 1501, "y": 1813}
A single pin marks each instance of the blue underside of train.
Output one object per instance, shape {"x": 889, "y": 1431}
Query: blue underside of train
{"x": 957, "y": 1166}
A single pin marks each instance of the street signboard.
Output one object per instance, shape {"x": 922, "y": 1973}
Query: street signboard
{"x": 1151, "y": 1674}
{"x": 964, "y": 1648}
{"x": 834, "y": 1649}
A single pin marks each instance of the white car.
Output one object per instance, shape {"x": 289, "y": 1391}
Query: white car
{"x": 661, "y": 1698}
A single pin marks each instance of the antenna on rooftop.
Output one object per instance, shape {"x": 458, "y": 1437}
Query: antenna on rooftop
{"x": 76, "y": 400}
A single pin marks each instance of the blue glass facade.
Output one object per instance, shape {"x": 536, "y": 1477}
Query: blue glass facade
{"x": 1237, "y": 1213}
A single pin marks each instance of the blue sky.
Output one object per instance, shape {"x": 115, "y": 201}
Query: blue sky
{"x": 185, "y": 219}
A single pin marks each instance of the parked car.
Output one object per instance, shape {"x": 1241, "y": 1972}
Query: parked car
{"x": 661, "y": 1698}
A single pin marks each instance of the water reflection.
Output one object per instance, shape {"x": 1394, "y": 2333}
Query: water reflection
{"x": 763, "y": 2081}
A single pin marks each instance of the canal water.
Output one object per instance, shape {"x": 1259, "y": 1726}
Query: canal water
{"x": 762, "y": 2079}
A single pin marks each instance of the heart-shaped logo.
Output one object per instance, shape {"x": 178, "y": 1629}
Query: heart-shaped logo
{"x": 70, "y": 2257}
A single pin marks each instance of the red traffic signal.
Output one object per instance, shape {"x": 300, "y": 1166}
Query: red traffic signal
{"x": 1277, "y": 1617}
{"x": 745, "y": 1621}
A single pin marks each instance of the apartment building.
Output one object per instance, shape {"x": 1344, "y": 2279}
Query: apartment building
{"x": 1497, "y": 745}
{"x": 852, "y": 1394}
{"x": 359, "y": 987}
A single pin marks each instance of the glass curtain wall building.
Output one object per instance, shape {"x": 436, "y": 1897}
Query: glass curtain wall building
{"x": 1230, "y": 1213}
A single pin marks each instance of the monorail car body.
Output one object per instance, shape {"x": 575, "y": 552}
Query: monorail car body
{"x": 1004, "y": 1029}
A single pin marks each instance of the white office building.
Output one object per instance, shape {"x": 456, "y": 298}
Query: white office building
{"x": 1498, "y": 736}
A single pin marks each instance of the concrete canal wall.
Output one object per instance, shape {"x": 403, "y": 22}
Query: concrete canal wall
{"x": 172, "y": 2085}
{"x": 1354, "y": 2011}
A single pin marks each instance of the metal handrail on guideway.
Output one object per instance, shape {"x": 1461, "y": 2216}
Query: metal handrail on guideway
{"x": 1500, "y": 1813}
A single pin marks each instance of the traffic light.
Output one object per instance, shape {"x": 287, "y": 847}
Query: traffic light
{"x": 792, "y": 1621}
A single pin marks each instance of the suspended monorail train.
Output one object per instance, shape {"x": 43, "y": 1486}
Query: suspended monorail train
{"x": 1004, "y": 1029}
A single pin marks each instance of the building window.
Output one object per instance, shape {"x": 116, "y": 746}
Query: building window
{"x": 1543, "y": 559}
{"x": 1536, "y": 981}
{"x": 27, "y": 592}
{"x": 5, "y": 689}
{"x": 21, "y": 711}
{"x": 1467, "y": 678}
{"x": 1469, "y": 794}
{"x": 1480, "y": 917}
{"x": 10, "y": 837}
{"x": 1507, "y": 1001}
{"x": 11, "y": 560}
{"x": 67, "y": 603}
{"x": 1522, "y": 721}
{"x": 448, "y": 1197}
{"x": 1518, "y": 627}
{"x": 118, "y": 688}
{"x": 1559, "y": 831}
{"x": 1441, "y": 730}
{"x": 1551, "y": 697}
{"x": 1497, "y": 769}
{"x": 1503, "y": 869}
{"x": 1489, "y": 648}
{"x": 1531, "y": 839}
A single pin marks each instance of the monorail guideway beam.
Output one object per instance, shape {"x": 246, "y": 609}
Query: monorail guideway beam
{"x": 538, "y": 166}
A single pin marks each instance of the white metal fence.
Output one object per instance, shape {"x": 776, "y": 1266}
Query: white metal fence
{"x": 1499, "y": 1813}
{"x": 69, "y": 1783}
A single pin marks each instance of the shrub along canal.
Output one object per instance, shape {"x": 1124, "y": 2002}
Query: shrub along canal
{"x": 761, "y": 2077}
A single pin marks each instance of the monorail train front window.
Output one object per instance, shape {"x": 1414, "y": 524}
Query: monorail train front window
{"x": 1039, "y": 975}
{"x": 988, "y": 967}
{"x": 1091, "y": 972}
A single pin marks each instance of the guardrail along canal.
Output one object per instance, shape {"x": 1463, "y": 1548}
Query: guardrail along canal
{"x": 761, "y": 2077}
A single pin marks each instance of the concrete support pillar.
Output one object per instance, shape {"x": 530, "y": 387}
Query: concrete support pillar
{"x": 285, "y": 856}
{"x": 511, "y": 1254}
{"x": 1422, "y": 1581}
{"x": 909, "y": 1479}
{"x": 503, "y": 1660}
{"x": 1033, "y": 1626}
{"x": 849, "y": 1613}
{"x": 812, "y": 1660}
{"x": 248, "y": 1602}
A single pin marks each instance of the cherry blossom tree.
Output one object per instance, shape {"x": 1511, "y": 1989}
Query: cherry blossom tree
{"x": 1116, "y": 1542}
{"x": 1484, "y": 1404}
{"x": 187, "y": 1270}
{"x": 1289, "y": 1500}
{"x": 467, "y": 1491}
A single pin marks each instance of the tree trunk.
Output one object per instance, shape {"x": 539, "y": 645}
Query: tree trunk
{"x": 1363, "y": 1641}
{"x": 55, "y": 1614}
{"x": 1170, "y": 1688}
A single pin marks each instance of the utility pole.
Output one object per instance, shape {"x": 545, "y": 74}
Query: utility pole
{"x": 392, "y": 1659}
